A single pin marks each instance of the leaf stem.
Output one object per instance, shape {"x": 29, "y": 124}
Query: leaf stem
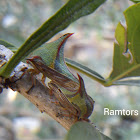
{"x": 109, "y": 82}
{"x": 85, "y": 70}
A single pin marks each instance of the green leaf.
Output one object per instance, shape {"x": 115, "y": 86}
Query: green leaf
{"x": 136, "y": 44}
{"x": 135, "y": 1}
{"x": 127, "y": 43}
{"x": 70, "y": 12}
{"x": 8, "y": 45}
{"x": 132, "y": 19}
{"x": 85, "y": 131}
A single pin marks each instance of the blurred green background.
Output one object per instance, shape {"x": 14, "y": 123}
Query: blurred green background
{"x": 91, "y": 45}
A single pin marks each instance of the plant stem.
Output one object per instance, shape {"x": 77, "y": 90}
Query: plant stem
{"x": 109, "y": 82}
{"x": 85, "y": 70}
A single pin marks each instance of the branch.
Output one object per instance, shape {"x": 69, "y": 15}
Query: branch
{"x": 20, "y": 80}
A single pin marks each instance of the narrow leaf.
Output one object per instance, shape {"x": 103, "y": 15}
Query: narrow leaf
{"x": 85, "y": 131}
{"x": 8, "y": 45}
{"x": 131, "y": 82}
{"x": 70, "y": 12}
